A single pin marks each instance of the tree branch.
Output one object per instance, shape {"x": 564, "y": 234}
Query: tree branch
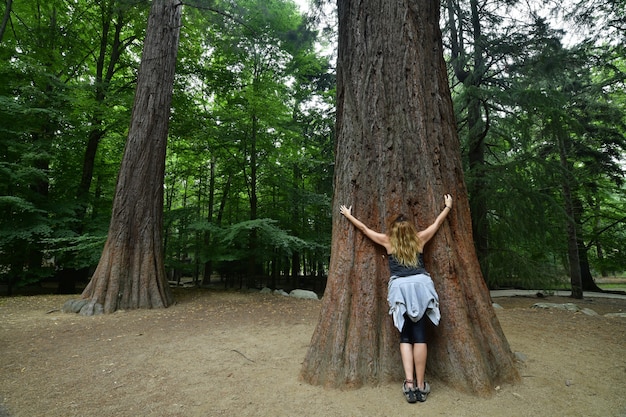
{"x": 221, "y": 13}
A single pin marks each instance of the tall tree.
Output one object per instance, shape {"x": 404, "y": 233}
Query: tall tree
{"x": 131, "y": 273}
{"x": 577, "y": 136}
{"x": 108, "y": 57}
{"x": 397, "y": 151}
{"x": 470, "y": 67}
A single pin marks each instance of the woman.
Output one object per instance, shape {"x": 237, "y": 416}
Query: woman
{"x": 411, "y": 296}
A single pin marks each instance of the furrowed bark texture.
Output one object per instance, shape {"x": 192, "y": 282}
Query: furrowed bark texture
{"x": 397, "y": 152}
{"x": 131, "y": 272}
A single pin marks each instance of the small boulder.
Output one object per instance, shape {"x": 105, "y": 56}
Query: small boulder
{"x": 91, "y": 309}
{"x": 566, "y": 306}
{"x": 306, "y": 294}
{"x": 74, "y": 306}
{"x": 589, "y": 312}
{"x": 520, "y": 357}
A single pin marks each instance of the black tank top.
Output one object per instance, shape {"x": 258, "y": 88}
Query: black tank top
{"x": 399, "y": 270}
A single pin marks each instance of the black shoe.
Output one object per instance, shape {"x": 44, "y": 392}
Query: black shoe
{"x": 409, "y": 393}
{"x": 422, "y": 394}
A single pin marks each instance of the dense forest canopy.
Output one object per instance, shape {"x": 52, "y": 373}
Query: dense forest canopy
{"x": 249, "y": 165}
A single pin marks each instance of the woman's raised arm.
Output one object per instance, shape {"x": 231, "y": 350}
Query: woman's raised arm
{"x": 380, "y": 238}
{"x": 427, "y": 234}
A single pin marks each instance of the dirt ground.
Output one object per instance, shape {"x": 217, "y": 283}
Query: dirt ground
{"x": 233, "y": 354}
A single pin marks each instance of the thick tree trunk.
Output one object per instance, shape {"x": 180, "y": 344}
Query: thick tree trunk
{"x": 398, "y": 151}
{"x": 131, "y": 272}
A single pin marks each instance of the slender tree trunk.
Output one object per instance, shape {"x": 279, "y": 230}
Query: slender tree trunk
{"x": 397, "y": 151}
{"x": 472, "y": 78}
{"x": 597, "y": 244}
{"x": 572, "y": 234}
{"x": 477, "y": 184}
{"x": 254, "y": 202}
{"x": 208, "y": 265}
{"x": 5, "y": 18}
{"x": 131, "y": 272}
{"x": 103, "y": 76}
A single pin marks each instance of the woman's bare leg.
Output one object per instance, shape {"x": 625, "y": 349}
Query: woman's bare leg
{"x": 420, "y": 352}
{"x": 408, "y": 364}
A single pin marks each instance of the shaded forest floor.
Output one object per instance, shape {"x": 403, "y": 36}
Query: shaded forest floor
{"x": 219, "y": 353}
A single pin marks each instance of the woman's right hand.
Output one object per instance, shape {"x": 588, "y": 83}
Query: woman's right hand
{"x": 346, "y": 211}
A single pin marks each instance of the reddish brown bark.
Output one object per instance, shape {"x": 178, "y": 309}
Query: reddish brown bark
{"x": 131, "y": 272}
{"x": 398, "y": 151}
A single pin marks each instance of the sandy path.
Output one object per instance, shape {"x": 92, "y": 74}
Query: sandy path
{"x": 233, "y": 354}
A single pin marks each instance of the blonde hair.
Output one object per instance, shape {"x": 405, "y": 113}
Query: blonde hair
{"x": 405, "y": 243}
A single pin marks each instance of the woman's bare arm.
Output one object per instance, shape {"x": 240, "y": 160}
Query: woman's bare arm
{"x": 380, "y": 238}
{"x": 427, "y": 234}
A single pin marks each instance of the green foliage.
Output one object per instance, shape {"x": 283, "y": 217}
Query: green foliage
{"x": 550, "y": 115}
{"x": 76, "y": 252}
{"x": 273, "y": 240}
{"x": 247, "y": 145}
{"x": 249, "y": 170}
{"x": 22, "y": 227}
{"x": 48, "y": 94}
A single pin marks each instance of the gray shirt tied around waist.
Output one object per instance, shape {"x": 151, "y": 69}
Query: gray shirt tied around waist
{"x": 411, "y": 291}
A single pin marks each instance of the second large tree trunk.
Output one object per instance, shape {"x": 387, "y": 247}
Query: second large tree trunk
{"x": 398, "y": 151}
{"x": 131, "y": 272}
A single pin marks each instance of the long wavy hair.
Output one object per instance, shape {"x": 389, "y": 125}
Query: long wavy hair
{"x": 404, "y": 240}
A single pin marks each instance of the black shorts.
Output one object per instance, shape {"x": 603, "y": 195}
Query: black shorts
{"x": 413, "y": 332}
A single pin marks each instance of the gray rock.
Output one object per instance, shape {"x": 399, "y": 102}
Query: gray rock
{"x": 74, "y": 306}
{"x": 566, "y": 306}
{"x": 589, "y": 312}
{"x": 91, "y": 309}
{"x": 310, "y": 295}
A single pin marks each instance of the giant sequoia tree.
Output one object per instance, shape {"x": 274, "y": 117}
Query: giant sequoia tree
{"x": 397, "y": 151}
{"x": 131, "y": 273}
